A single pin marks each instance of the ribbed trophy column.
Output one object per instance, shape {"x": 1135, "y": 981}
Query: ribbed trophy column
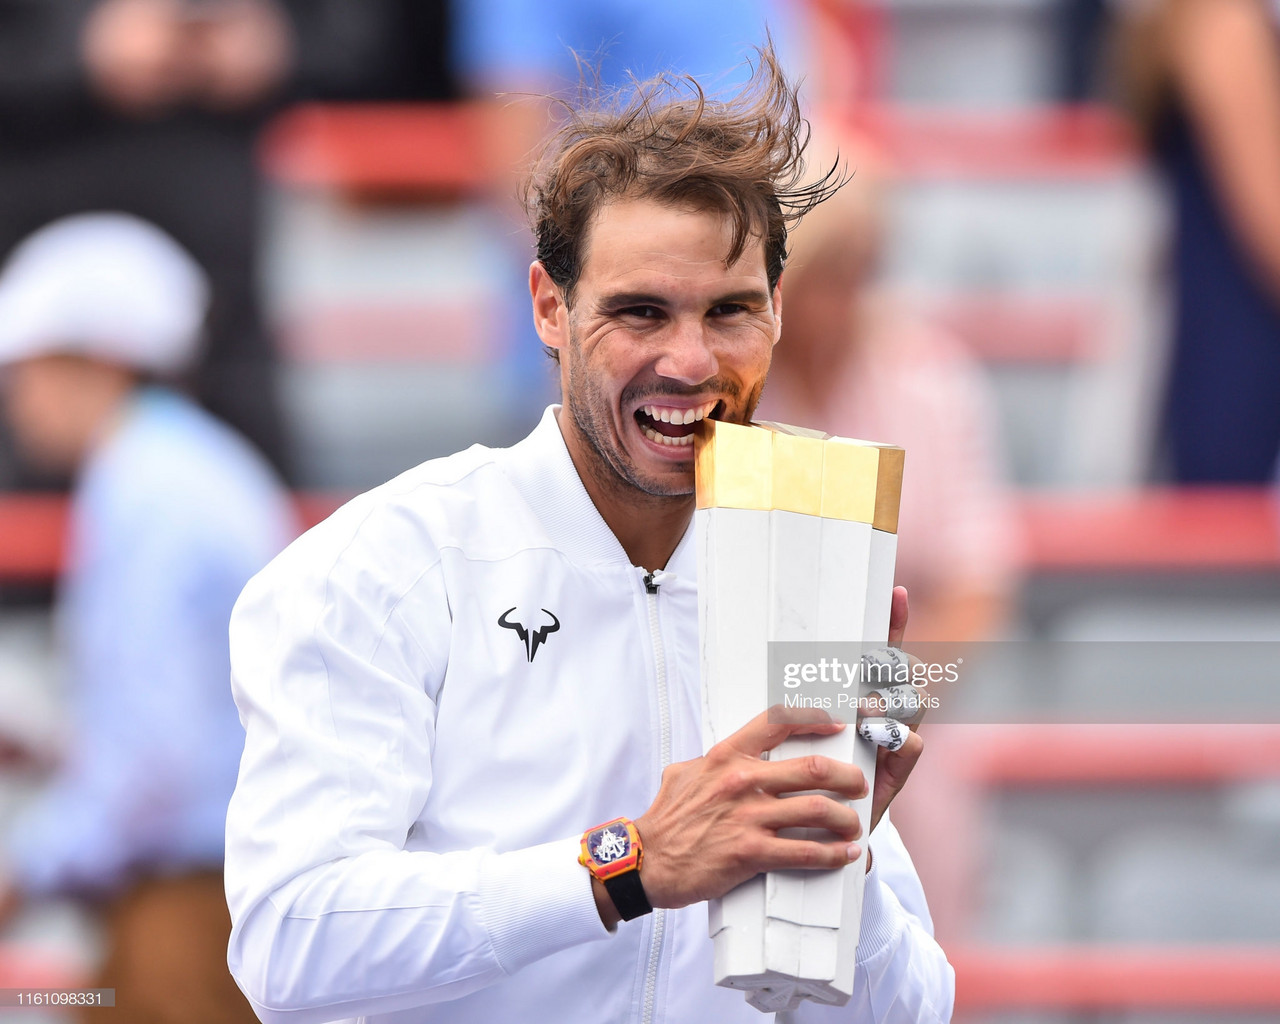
{"x": 797, "y": 536}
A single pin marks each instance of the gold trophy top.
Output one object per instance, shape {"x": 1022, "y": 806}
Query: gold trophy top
{"x": 775, "y": 466}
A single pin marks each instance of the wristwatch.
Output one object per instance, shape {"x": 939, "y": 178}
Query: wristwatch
{"x": 613, "y": 853}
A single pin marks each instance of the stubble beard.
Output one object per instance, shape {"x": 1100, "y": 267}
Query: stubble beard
{"x": 610, "y": 464}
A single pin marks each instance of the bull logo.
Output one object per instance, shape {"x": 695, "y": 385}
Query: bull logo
{"x": 533, "y": 638}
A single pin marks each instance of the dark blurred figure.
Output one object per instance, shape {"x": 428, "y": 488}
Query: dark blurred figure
{"x": 1204, "y": 77}
{"x": 172, "y": 513}
{"x": 153, "y": 107}
{"x": 413, "y": 62}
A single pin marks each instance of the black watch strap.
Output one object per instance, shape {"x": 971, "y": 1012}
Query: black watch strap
{"x": 628, "y": 895}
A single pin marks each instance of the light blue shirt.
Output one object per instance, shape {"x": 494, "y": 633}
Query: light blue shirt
{"x": 173, "y": 513}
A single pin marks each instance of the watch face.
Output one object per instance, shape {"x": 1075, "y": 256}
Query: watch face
{"x": 609, "y": 843}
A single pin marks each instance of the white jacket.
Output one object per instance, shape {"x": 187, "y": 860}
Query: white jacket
{"x": 403, "y": 840}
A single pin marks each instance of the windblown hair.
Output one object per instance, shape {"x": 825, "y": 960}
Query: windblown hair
{"x": 666, "y": 140}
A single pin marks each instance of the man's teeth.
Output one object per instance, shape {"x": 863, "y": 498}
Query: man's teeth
{"x": 666, "y": 414}
{"x": 679, "y": 442}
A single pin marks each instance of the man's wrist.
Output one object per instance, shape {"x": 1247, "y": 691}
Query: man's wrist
{"x": 613, "y": 853}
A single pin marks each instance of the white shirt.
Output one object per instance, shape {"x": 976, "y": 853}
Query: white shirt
{"x": 402, "y": 844}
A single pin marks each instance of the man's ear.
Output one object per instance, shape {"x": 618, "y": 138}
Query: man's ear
{"x": 550, "y": 314}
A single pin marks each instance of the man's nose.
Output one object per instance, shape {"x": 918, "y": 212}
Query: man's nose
{"x": 688, "y": 355}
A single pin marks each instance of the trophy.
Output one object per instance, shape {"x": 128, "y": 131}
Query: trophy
{"x": 797, "y": 536}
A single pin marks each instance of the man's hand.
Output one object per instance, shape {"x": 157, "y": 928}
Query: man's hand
{"x": 715, "y": 821}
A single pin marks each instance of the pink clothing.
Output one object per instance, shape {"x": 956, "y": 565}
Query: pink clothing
{"x": 910, "y": 384}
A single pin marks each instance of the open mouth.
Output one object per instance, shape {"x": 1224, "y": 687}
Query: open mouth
{"x": 673, "y": 426}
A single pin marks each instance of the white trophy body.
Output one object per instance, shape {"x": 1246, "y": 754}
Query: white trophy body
{"x": 777, "y": 574}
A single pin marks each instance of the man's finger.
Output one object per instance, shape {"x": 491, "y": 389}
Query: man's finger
{"x": 813, "y": 810}
{"x": 771, "y": 727}
{"x": 797, "y": 774}
{"x": 884, "y": 732}
{"x": 893, "y": 766}
{"x": 898, "y": 612}
{"x": 892, "y": 770}
{"x": 785, "y": 854}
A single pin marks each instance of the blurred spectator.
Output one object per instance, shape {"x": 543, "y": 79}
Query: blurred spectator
{"x": 153, "y": 107}
{"x": 1204, "y": 76}
{"x": 854, "y": 363}
{"x": 171, "y": 515}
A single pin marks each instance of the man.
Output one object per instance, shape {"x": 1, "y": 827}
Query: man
{"x": 172, "y": 512}
{"x": 460, "y": 673}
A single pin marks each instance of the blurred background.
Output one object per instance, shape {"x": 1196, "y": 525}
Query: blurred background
{"x": 1055, "y": 279}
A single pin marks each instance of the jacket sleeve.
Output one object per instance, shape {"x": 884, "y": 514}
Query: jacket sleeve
{"x": 332, "y": 917}
{"x": 902, "y": 975}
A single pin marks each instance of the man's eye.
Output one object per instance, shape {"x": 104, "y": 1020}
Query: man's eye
{"x": 643, "y": 312}
{"x": 728, "y": 309}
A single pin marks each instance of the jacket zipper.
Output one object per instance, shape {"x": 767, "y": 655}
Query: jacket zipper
{"x": 652, "y": 581}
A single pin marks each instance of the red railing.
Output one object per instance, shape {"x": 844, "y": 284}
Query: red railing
{"x": 31, "y": 967}
{"x": 430, "y": 149}
{"x": 438, "y": 150}
{"x": 1108, "y": 754}
{"x": 1102, "y": 978}
{"x": 1156, "y": 530}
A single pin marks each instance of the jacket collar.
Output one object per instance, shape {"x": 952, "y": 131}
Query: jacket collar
{"x": 542, "y": 470}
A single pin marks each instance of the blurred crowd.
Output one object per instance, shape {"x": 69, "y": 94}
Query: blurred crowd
{"x": 152, "y": 107}
{"x": 137, "y": 366}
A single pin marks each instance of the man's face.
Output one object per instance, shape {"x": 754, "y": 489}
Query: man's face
{"x": 49, "y": 403}
{"x": 660, "y": 334}
{"x": 38, "y": 394}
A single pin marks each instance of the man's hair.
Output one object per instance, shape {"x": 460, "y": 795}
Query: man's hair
{"x": 666, "y": 140}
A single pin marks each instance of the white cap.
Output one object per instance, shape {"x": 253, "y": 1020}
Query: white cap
{"x": 105, "y": 285}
